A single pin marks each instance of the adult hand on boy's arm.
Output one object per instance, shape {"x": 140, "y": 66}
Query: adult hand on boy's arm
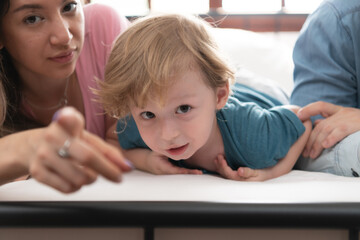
{"x": 339, "y": 122}
{"x": 152, "y": 162}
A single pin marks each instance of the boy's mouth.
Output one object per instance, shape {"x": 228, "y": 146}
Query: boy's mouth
{"x": 178, "y": 150}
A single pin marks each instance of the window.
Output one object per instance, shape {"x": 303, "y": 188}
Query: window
{"x": 256, "y": 15}
{"x": 128, "y": 8}
{"x": 180, "y": 6}
{"x": 251, "y": 6}
{"x": 141, "y": 7}
{"x": 301, "y": 6}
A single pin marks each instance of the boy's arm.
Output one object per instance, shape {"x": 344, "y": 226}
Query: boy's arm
{"x": 283, "y": 166}
{"x": 152, "y": 162}
{"x": 145, "y": 159}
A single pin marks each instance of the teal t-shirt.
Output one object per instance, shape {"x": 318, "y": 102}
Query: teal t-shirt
{"x": 256, "y": 131}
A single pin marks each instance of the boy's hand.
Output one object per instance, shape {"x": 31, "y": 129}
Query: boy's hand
{"x": 241, "y": 174}
{"x": 159, "y": 164}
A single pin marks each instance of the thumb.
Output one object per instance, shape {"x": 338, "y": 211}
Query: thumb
{"x": 71, "y": 120}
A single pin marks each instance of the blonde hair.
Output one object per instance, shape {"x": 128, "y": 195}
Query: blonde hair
{"x": 153, "y": 51}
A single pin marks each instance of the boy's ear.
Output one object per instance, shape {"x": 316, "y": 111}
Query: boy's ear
{"x": 222, "y": 94}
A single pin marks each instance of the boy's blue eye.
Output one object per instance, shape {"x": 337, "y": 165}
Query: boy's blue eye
{"x": 183, "y": 109}
{"x": 147, "y": 115}
{"x": 70, "y": 7}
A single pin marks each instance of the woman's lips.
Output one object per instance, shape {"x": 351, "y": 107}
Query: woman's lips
{"x": 64, "y": 58}
{"x": 178, "y": 150}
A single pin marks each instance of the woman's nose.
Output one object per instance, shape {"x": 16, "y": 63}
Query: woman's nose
{"x": 61, "y": 34}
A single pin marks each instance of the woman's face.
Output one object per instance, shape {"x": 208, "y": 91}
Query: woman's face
{"x": 43, "y": 37}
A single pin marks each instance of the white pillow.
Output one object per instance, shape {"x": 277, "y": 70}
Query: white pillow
{"x": 265, "y": 85}
{"x": 262, "y": 54}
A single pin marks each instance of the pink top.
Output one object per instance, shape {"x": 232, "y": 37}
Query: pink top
{"x": 102, "y": 25}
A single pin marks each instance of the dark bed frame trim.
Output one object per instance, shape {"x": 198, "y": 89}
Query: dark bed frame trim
{"x": 151, "y": 215}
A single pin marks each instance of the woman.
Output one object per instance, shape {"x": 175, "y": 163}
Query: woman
{"x": 42, "y": 71}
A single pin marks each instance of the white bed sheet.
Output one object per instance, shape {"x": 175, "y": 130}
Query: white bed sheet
{"x": 295, "y": 187}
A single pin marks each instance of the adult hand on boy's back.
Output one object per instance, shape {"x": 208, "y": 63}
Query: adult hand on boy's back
{"x": 338, "y": 123}
{"x": 241, "y": 174}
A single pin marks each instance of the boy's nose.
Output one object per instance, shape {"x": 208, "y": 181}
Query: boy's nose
{"x": 169, "y": 130}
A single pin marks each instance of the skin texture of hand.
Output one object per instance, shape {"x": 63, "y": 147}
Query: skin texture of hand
{"x": 241, "y": 174}
{"x": 89, "y": 155}
{"x": 159, "y": 164}
{"x": 339, "y": 122}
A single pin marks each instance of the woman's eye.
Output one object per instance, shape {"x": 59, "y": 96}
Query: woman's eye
{"x": 183, "y": 109}
{"x": 147, "y": 115}
{"x": 32, "y": 19}
{"x": 70, "y": 7}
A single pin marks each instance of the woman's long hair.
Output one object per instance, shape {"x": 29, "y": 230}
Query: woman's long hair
{"x": 11, "y": 118}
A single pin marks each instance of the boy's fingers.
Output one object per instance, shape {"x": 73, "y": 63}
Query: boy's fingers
{"x": 246, "y": 172}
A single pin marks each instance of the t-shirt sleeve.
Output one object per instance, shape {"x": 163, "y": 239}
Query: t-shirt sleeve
{"x": 263, "y": 135}
{"x": 128, "y": 134}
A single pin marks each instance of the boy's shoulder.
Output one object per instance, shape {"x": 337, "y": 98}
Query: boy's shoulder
{"x": 245, "y": 94}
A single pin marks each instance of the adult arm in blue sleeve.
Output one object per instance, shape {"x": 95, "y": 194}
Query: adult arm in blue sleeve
{"x": 324, "y": 59}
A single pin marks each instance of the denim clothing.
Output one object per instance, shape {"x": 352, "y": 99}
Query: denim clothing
{"x": 327, "y": 55}
{"x": 342, "y": 159}
{"x": 327, "y": 68}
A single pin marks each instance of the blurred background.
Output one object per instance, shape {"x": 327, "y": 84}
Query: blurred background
{"x": 254, "y": 15}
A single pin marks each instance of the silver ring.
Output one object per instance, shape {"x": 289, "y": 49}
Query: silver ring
{"x": 64, "y": 150}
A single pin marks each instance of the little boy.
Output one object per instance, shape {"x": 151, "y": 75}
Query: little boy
{"x": 170, "y": 87}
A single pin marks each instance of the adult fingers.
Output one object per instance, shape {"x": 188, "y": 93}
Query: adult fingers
{"x": 90, "y": 157}
{"x": 324, "y": 109}
{"x": 70, "y": 120}
{"x": 89, "y": 150}
{"x": 110, "y": 152}
{"x": 44, "y": 175}
{"x": 318, "y": 134}
{"x": 334, "y": 137}
{"x": 48, "y": 165}
{"x": 71, "y": 171}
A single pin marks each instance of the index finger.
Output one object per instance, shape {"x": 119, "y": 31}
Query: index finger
{"x": 70, "y": 120}
{"x": 324, "y": 109}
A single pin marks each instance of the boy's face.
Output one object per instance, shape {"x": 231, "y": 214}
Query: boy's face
{"x": 185, "y": 122}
